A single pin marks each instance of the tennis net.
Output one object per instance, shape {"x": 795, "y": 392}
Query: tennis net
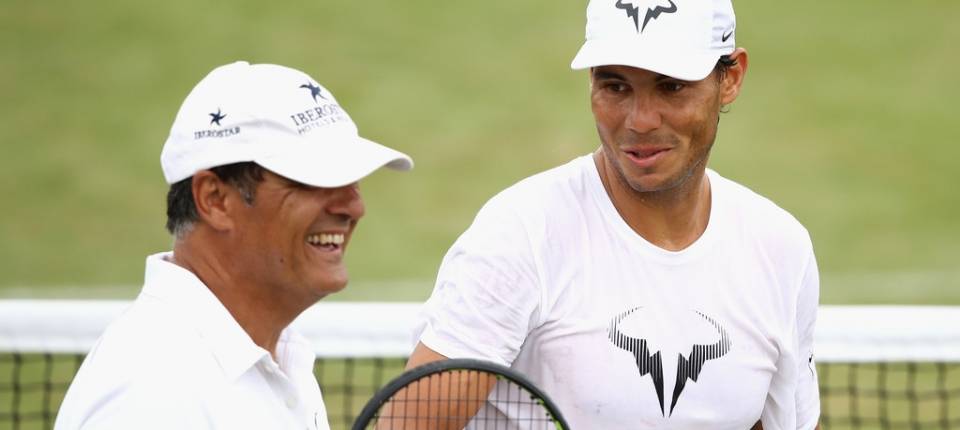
{"x": 891, "y": 367}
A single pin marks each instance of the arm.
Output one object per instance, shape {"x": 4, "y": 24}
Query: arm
{"x": 793, "y": 399}
{"x": 808, "y": 391}
{"x": 485, "y": 302}
{"x": 449, "y": 395}
{"x": 422, "y": 355}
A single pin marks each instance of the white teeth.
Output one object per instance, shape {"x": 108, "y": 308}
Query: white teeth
{"x": 325, "y": 239}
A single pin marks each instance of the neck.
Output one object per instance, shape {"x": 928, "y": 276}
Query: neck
{"x": 671, "y": 219}
{"x": 251, "y": 305}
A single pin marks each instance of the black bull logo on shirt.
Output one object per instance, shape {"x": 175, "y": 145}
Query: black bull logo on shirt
{"x": 687, "y": 368}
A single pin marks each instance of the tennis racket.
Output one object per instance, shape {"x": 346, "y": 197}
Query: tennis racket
{"x": 460, "y": 394}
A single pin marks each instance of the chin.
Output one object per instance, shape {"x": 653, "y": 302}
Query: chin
{"x": 337, "y": 288}
{"x": 326, "y": 286}
{"x": 650, "y": 183}
{"x": 331, "y": 286}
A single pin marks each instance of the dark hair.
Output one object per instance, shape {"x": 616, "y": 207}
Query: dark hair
{"x": 724, "y": 63}
{"x": 181, "y": 210}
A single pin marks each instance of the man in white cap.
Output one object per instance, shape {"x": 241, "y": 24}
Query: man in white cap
{"x": 263, "y": 166}
{"x": 638, "y": 288}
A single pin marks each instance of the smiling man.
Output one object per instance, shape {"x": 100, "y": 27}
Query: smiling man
{"x": 263, "y": 166}
{"x": 635, "y": 286}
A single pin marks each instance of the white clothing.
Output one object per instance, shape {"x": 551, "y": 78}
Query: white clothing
{"x": 621, "y": 334}
{"x": 178, "y": 360}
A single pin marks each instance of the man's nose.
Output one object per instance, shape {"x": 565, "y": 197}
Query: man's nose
{"x": 644, "y": 115}
{"x": 347, "y": 201}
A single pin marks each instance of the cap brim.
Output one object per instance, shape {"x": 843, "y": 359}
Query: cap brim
{"x": 334, "y": 165}
{"x": 686, "y": 66}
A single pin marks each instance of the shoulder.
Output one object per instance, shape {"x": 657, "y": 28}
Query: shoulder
{"x": 146, "y": 346}
{"x": 766, "y": 233}
{"x": 497, "y": 265}
{"x": 758, "y": 217}
{"x": 149, "y": 330}
{"x": 145, "y": 361}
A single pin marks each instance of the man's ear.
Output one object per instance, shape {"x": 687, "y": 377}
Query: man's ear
{"x": 212, "y": 196}
{"x": 733, "y": 79}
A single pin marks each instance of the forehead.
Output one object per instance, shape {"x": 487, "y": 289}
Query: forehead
{"x": 625, "y": 72}
{"x": 276, "y": 179}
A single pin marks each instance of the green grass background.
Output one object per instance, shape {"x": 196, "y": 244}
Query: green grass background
{"x": 847, "y": 120}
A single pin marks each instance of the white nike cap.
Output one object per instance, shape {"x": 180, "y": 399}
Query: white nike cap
{"x": 682, "y": 39}
{"x": 277, "y": 117}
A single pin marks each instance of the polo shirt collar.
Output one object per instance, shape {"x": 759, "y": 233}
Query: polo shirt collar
{"x": 295, "y": 353}
{"x": 231, "y": 346}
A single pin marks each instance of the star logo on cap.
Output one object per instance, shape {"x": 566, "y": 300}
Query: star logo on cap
{"x": 216, "y": 117}
{"x": 314, "y": 91}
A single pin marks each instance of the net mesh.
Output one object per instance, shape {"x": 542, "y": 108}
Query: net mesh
{"x": 890, "y": 395}
{"x": 874, "y": 374}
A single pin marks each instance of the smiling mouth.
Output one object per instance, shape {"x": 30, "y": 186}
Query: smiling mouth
{"x": 646, "y": 158}
{"x": 646, "y": 153}
{"x": 326, "y": 241}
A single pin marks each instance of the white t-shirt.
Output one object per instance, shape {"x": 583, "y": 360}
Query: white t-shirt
{"x": 178, "y": 360}
{"x": 621, "y": 334}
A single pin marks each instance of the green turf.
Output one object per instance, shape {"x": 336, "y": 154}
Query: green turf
{"x": 846, "y": 120}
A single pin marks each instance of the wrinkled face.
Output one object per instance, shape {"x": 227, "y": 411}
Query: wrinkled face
{"x": 293, "y": 237}
{"x": 656, "y": 130}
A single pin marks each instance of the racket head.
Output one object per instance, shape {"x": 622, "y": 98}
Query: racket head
{"x": 452, "y": 394}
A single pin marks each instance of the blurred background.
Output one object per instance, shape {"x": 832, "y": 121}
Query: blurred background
{"x": 847, "y": 120}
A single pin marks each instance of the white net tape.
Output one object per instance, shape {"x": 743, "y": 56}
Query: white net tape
{"x": 366, "y": 329}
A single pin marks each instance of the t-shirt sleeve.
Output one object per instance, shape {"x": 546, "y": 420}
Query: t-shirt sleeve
{"x": 808, "y": 394}
{"x": 793, "y": 401}
{"x": 487, "y": 294}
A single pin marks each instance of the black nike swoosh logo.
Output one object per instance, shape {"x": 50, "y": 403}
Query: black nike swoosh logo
{"x": 726, "y": 36}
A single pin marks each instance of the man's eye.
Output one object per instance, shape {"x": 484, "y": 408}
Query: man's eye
{"x": 672, "y": 87}
{"x": 615, "y": 87}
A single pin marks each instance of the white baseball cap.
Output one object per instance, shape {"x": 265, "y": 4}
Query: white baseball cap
{"x": 277, "y": 117}
{"x": 678, "y": 38}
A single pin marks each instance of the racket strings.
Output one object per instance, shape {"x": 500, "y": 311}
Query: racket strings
{"x": 458, "y": 399}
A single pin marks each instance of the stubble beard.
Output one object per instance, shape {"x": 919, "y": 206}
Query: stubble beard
{"x": 672, "y": 186}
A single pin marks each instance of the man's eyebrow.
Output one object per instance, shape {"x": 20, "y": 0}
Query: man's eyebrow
{"x": 603, "y": 75}
{"x": 661, "y": 78}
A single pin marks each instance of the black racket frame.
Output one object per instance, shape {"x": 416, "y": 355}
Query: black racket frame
{"x": 466, "y": 364}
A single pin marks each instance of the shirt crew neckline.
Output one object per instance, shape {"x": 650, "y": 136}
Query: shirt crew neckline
{"x": 609, "y": 212}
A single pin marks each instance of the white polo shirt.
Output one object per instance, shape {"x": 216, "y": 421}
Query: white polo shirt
{"x": 178, "y": 360}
